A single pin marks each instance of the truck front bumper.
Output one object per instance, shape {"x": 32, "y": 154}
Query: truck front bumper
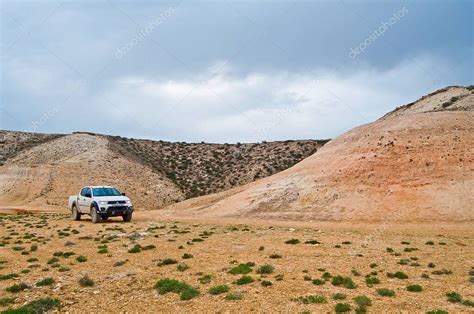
{"x": 115, "y": 210}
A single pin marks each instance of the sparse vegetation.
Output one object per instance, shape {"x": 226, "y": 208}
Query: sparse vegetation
{"x": 342, "y": 307}
{"x": 234, "y": 296}
{"x": 185, "y": 291}
{"x": 244, "y": 280}
{"x": 35, "y": 307}
{"x": 339, "y": 296}
{"x": 219, "y": 289}
{"x": 292, "y": 241}
{"x": 241, "y": 269}
{"x": 398, "y": 274}
{"x": 312, "y": 299}
{"x": 265, "y": 269}
{"x": 414, "y": 288}
{"x": 17, "y": 287}
{"x": 45, "y": 282}
{"x": 85, "y": 281}
{"x": 384, "y": 292}
{"x": 167, "y": 261}
{"x": 81, "y": 259}
{"x": 343, "y": 281}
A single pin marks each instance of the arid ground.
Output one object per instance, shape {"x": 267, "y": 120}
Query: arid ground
{"x": 292, "y": 267}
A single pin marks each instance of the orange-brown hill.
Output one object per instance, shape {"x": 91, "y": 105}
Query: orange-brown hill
{"x": 413, "y": 164}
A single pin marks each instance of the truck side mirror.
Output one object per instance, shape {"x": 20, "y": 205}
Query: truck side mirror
{"x": 123, "y": 194}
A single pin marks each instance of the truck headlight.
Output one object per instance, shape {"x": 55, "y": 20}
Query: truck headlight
{"x": 103, "y": 203}
{"x": 128, "y": 203}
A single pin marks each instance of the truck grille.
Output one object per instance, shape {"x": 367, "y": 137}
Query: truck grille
{"x": 117, "y": 208}
{"x": 115, "y": 202}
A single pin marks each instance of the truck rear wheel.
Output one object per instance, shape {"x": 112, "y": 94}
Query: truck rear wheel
{"x": 127, "y": 217}
{"x": 75, "y": 213}
{"x": 95, "y": 217}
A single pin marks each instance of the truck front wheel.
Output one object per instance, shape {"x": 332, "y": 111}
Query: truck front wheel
{"x": 127, "y": 217}
{"x": 95, "y": 217}
{"x": 75, "y": 213}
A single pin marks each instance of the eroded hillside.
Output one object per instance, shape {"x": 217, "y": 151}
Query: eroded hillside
{"x": 12, "y": 143}
{"x": 200, "y": 169}
{"x": 415, "y": 164}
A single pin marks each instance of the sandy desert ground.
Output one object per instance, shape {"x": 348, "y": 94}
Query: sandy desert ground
{"x": 326, "y": 264}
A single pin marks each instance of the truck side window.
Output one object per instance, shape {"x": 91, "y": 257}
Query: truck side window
{"x": 83, "y": 191}
{"x": 88, "y": 192}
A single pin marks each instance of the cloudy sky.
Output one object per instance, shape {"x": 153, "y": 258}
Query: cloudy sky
{"x": 225, "y": 71}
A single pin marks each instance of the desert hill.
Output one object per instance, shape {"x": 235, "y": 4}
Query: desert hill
{"x": 413, "y": 164}
{"x": 40, "y": 169}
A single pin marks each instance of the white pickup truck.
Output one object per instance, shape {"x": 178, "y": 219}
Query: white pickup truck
{"x": 100, "y": 202}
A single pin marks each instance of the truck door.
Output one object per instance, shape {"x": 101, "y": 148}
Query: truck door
{"x": 85, "y": 200}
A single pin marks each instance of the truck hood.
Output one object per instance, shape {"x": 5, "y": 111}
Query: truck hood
{"x": 111, "y": 198}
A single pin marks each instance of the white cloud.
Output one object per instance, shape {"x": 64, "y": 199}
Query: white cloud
{"x": 265, "y": 106}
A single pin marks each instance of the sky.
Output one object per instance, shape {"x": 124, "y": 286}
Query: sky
{"x": 225, "y": 71}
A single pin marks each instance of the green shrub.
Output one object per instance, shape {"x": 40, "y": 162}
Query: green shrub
{"x": 35, "y": 307}
{"x": 372, "y": 281}
{"x": 312, "y": 299}
{"x": 398, "y": 274}
{"x": 187, "y": 256}
{"x": 205, "y": 279}
{"x": 185, "y": 291}
{"x": 266, "y": 283}
{"x": 167, "y": 261}
{"x": 241, "y": 269}
{"x": 343, "y": 281}
{"x": 275, "y": 256}
{"x": 265, "y": 269}
{"x": 182, "y": 267}
{"x": 339, "y": 296}
{"x": 85, "y": 281}
{"x": 384, "y": 292}
{"x": 17, "y": 287}
{"x": 81, "y": 259}
{"x": 8, "y": 276}
{"x": 45, "y": 282}
{"x": 136, "y": 249}
{"x": 244, "y": 280}
{"x": 318, "y": 282}
{"x": 454, "y": 297}
{"x": 437, "y": 312}
{"x": 234, "y": 296}
{"x": 149, "y": 247}
{"x": 342, "y": 307}
{"x": 292, "y": 241}
{"x": 414, "y": 288}
{"x": 6, "y": 301}
{"x": 219, "y": 289}
{"x": 363, "y": 301}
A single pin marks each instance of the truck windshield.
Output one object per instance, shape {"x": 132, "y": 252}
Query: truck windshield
{"x": 106, "y": 192}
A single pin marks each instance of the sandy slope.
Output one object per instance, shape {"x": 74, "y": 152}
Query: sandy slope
{"x": 414, "y": 164}
{"x": 48, "y": 173}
